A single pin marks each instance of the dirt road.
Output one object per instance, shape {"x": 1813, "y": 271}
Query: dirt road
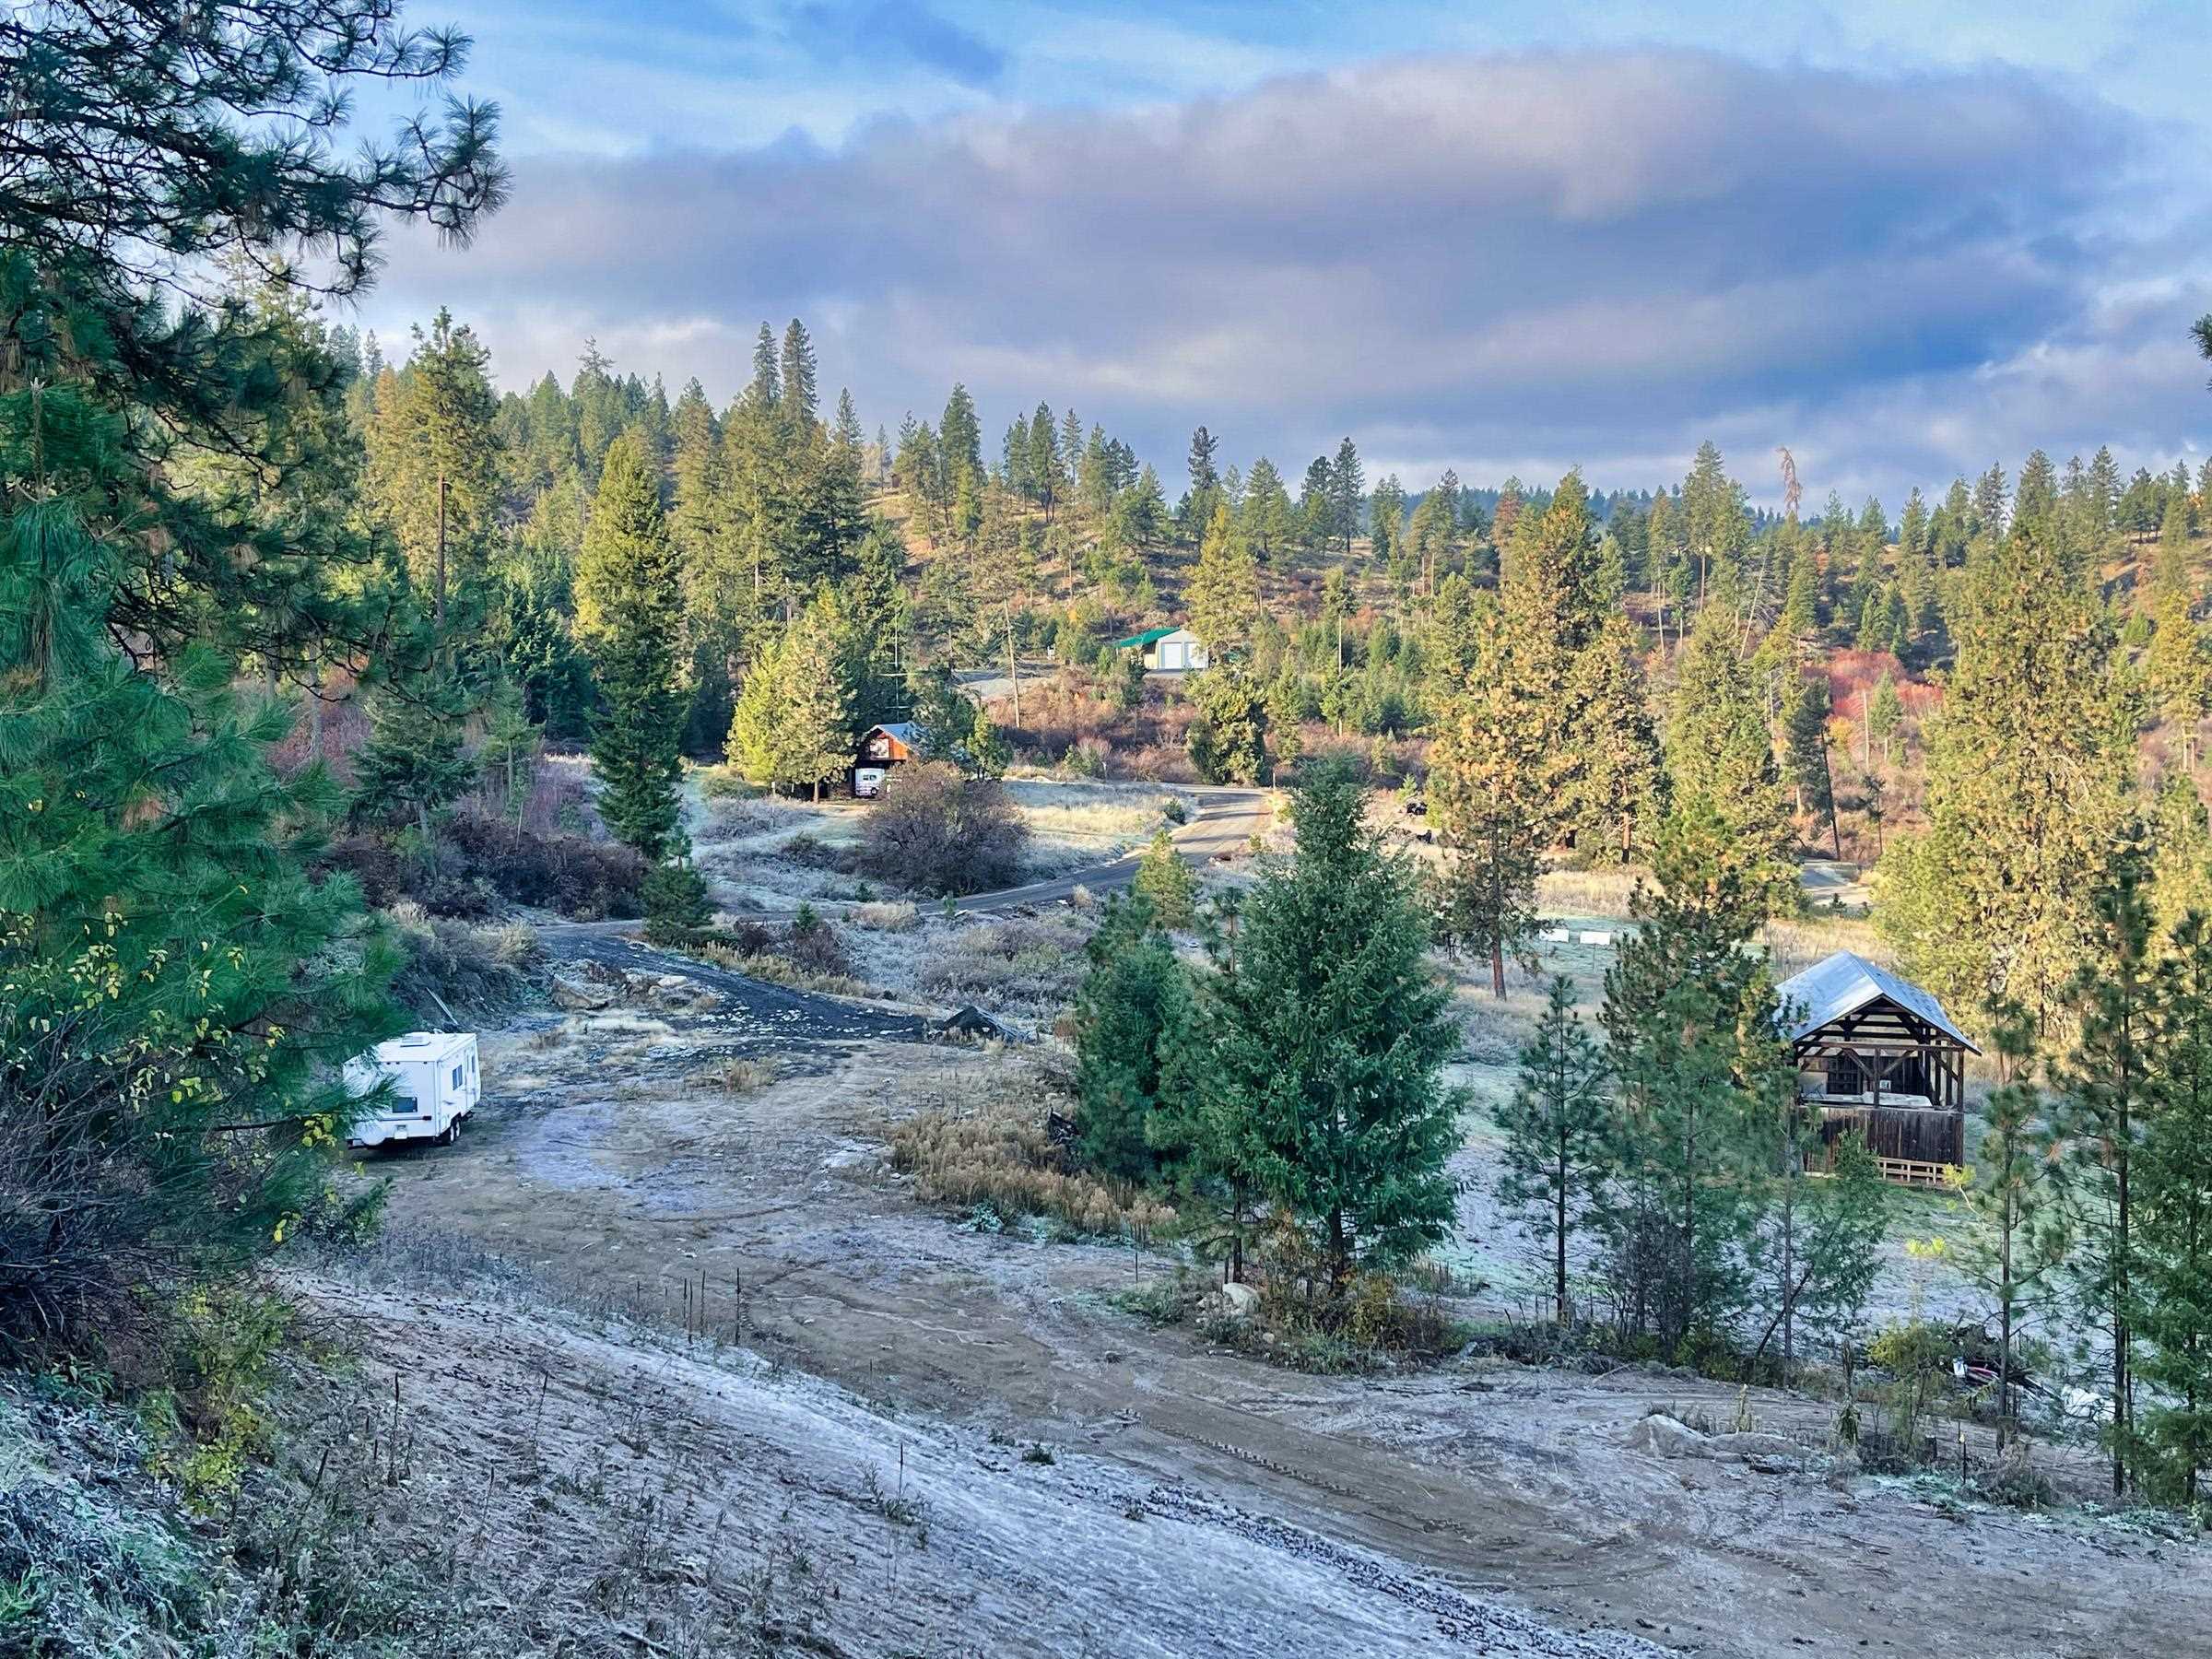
{"x": 603, "y": 1152}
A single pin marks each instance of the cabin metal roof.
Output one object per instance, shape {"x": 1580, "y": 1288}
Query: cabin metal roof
{"x": 1151, "y": 636}
{"x": 907, "y": 732}
{"x": 1845, "y": 984}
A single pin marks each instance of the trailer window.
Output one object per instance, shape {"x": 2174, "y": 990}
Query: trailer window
{"x": 456, "y": 1076}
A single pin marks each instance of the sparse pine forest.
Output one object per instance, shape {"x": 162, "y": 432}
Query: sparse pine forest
{"x": 1392, "y": 982}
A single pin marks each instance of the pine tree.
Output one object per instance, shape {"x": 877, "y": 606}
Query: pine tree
{"x": 1133, "y": 1011}
{"x": 431, "y": 457}
{"x": 801, "y": 401}
{"x": 1495, "y": 787}
{"x": 2030, "y": 765}
{"x": 1557, "y": 1127}
{"x": 1885, "y": 711}
{"x": 1325, "y": 1045}
{"x": 815, "y": 703}
{"x": 2173, "y": 1264}
{"x": 1347, "y": 487}
{"x": 1223, "y": 597}
{"x": 1805, "y": 715}
{"x": 628, "y": 608}
{"x": 2021, "y": 1240}
{"x": 2107, "y": 1098}
{"x": 413, "y": 760}
{"x": 176, "y": 994}
{"x": 1165, "y": 882}
{"x": 508, "y": 755}
{"x": 1718, "y": 752}
{"x": 1228, "y": 736}
{"x": 1620, "y": 786}
{"x": 1688, "y": 1019}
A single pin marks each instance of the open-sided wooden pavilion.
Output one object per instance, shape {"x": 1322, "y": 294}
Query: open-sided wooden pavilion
{"x": 1877, "y": 1055}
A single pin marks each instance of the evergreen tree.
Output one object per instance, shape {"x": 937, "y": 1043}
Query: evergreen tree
{"x": 179, "y": 993}
{"x": 413, "y": 757}
{"x": 431, "y": 457}
{"x": 1495, "y": 785}
{"x": 1325, "y": 1045}
{"x": 801, "y": 400}
{"x": 507, "y": 756}
{"x": 1228, "y": 735}
{"x": 1166, "y": 883}
{"x": 628, "y": 608}
{"x": 2173, "y": 1185}
{"x": 2107, "y": 1098}
{"x": 1223, "y": 597}
{"x": 1719, "y": 753}
{"x": 1621, "y": 786}
{"x": 1805, "y": 712}
{"x": 1558, "y": 1147}
{"x": 1347, "y": 487}
{"x": 2020, "y": 1238}
{"x": 1689, "y": 1019}
{"x": 1133, "y": 1011}
{"x": 2030, "y": 763}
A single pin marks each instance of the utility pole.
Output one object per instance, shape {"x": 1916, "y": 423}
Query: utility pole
{"x": 1013, "y": 666}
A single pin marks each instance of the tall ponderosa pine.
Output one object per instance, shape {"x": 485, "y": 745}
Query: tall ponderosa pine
{"x": 2030, "y": 766}
{"x": 1324, "y": 1047}
{"x": 2173, "y": 1247}
{"x": 1495, "y": 787}
{"x": 1719, "y": 753}
{"x": 2106, "y": 1100}
{"x": 628, "y": 610}
{"x": 1223, "y": 597}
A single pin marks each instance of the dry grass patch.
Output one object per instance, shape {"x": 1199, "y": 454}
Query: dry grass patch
{"x": 1001, "y": 1159}
{"x": 1034, "y": 965}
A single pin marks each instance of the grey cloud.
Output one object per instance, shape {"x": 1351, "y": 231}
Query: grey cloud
{"x": 1591, "y": 257}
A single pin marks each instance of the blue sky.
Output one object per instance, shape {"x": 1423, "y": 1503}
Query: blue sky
{"x": 1905, "y": 244}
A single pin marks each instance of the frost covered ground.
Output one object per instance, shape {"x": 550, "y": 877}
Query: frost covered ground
{"x": 1281, "y": 1513}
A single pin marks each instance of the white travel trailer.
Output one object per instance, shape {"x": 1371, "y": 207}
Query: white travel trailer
{"x": 434, "y": 1086}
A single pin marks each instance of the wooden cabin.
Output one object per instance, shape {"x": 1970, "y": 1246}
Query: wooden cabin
{"x": 881, "y": 748}
{"x": 1877, "y": 1055}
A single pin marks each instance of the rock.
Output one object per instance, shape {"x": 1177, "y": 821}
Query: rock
{"x": 970, "y": 1021}
{"x": 1842, "y": 1468}
{"x": 1233, "y": 1302}
{"x": 576, "y": 996}
{"x": 1749, "y": 1446}
{"x": 1663, "y": 1436}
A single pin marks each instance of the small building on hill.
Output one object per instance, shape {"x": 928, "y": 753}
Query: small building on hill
{"x": 1877, "y": 1055}
{"x": 1168, "y": 650}
{"x": 881, "y": 748}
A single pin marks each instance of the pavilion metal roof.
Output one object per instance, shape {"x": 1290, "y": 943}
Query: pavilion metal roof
{"x": 1845, "y": 984}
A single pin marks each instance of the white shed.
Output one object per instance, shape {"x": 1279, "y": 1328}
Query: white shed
{"x": 434, "y": 1086}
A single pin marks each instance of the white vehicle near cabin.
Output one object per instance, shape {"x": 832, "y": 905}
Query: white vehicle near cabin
{"x": 434, "y": 1086}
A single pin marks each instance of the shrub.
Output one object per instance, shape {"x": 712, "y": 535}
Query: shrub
{"x": 558, "y": 871}
{"x": 469, "y": 968}
{"x": 675, "y": 898}
{"x": 938, "y": 832}
{"x": 1166, "y": 882}
{"x": 813, "y": 946}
